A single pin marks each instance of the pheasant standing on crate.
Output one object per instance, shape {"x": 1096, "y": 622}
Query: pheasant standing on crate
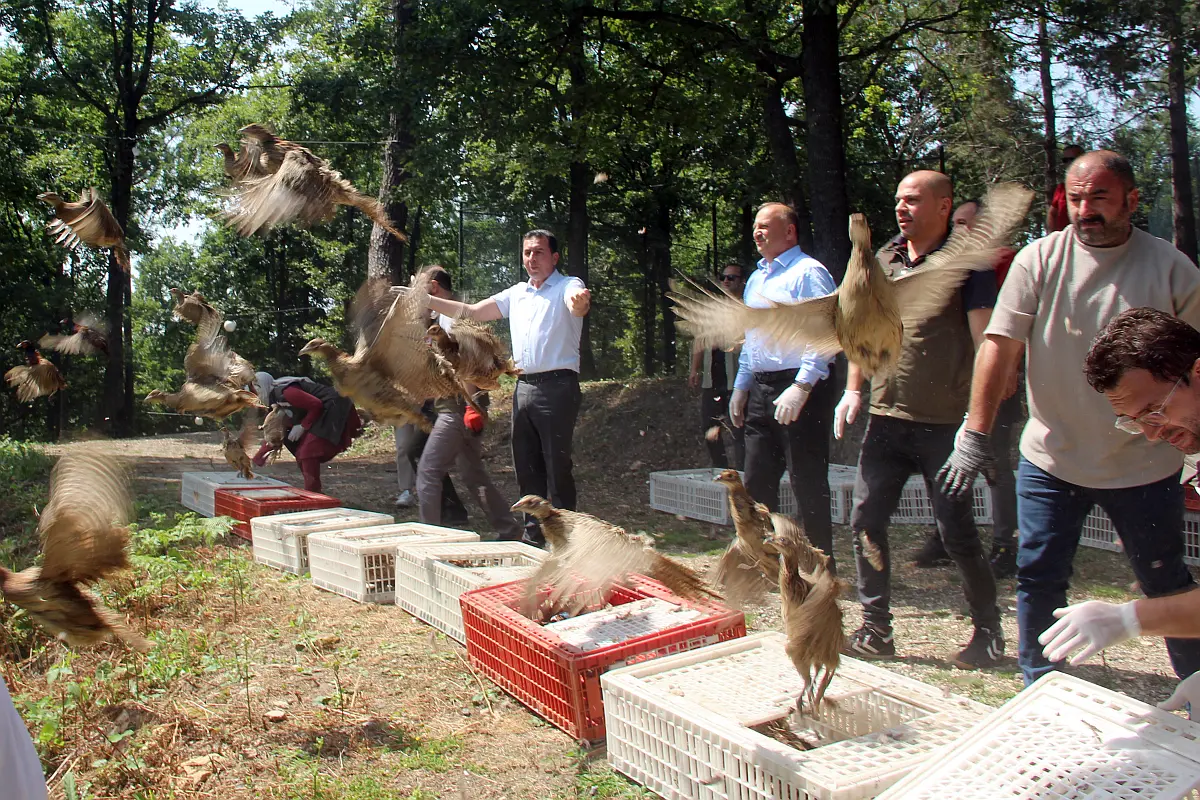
{"x": 84, "y": 540}
{"x": 587, "y": 552}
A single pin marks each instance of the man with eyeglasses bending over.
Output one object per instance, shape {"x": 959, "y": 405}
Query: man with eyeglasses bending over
{"x": 1061, "y": 291}
{"x": 1147, "y": 364}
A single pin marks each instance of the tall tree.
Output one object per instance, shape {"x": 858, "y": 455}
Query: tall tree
{"x": 131, "y": 66}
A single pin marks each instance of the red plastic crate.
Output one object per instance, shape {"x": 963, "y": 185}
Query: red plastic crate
{"x": 559, "y": 681}
{"x": 245, "y": 504}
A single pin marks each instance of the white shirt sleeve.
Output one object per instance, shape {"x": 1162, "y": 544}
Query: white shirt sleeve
{"x": 504, "y": 301}
{"x": 20, "y": 768}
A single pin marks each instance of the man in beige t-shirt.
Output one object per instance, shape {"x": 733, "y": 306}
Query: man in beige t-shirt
{"x": 1060, "y": 292}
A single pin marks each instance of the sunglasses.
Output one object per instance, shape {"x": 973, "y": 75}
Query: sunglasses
{"x": 728, "y": 278}
{"x": 1151, "y": 419}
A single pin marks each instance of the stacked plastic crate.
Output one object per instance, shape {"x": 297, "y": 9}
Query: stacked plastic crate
{"x": 360, "y": 563}
{"x": 430, "y": 578}
{"x": 281, "y": 540}
{"x": 555, "y": 669}
{"x": 197, "y": 490}
{"x": 244, "y": 504}
{"x": 720, "y": 722}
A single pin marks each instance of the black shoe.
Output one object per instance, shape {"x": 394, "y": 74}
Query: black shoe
{"x": 1004, "y": 562}
{"x": 985, "y": 649}
{"x": 455, "y": 520}
{"x": 867, "y": 642}
{"x": 932, "y": 553}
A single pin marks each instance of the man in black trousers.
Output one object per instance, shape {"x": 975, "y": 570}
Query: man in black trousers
{"x": 545, "y": 316}
{"x": 783, "y": 397}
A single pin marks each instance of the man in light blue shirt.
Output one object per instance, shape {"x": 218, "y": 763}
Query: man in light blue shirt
{"x": 546, "y": 320}
{"x": 784, "y": 397}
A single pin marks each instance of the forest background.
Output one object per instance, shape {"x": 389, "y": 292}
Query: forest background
{"x": 643, "y": 132}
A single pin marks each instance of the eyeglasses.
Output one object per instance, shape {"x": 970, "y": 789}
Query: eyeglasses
{"x": 1151, "y": 419}
{"x": 728, "y": 278}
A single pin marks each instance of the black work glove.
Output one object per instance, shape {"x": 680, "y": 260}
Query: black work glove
{"x": 971, "y": 456}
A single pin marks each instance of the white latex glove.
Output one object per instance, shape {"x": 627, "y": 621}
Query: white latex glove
{"x": 1093, "y": 626}
{"x": 295, "y": 433}
{"x": 846, "y": 411}
{"x": 1187, "y": 693}
{"x": 737, "y": 407}
{"x": 789, "y": 404}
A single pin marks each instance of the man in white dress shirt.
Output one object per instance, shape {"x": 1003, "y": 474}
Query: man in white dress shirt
{"x": 545, "y": 316}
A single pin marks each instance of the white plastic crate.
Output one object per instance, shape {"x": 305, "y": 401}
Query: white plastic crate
{"x": 1065, "y": 738}
{"x": 280, "y": 541}
{"x": 692, "y": 493}
{"x": 682, "y": 725}
{"x": 430, "y": 577}
{"x": 197, "y": 490}
{"x": 915, "y": 507}
{"x": 1099, "y": 532}
{"x": 361, "y": 563}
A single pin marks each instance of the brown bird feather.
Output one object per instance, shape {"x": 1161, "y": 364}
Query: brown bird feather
{"x": 274, "y": 429}
{"x": 217, "y": 401}
{"x": 476, "y": 354}
{"x": 867, "y": 315}
{"x": 84, "y": 540}
{"x": 245, "y": 164}
{"x": 812, "y": 619}
{"x": 87, "y": 221}
{"x": 36, "y": 378}
{"x": 87, "y": 336}
{"x": 301, "y": 187}
{"x": 590, "y": 553}
{"x": 194, "y": 308}
{"x": 236, "y": 447}
{"x": 750, "y": 565}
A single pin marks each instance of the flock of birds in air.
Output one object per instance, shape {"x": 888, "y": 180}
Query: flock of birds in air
{"x": 400, "y": 360}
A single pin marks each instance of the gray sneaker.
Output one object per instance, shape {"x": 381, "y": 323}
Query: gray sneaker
{"x": 406, "y": 499}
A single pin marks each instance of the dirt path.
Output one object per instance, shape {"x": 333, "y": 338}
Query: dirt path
{"x": 408, "y": 714}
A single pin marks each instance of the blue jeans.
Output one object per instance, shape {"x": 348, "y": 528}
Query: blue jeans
{"x": 1149, "y": 522}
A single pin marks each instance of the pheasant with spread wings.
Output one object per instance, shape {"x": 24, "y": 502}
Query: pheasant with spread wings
{"x": 587, "y": 552}
{"x": 87, "y": 336}
{"x": 867, "y": 315}
{"x": 216, "y": 376}
{"x": 749, "y": 566}
{"x": 84, "y": 540}
{"x": 298, "y": 186}
{"x": 87, "y": 221}
{"x": 476, "y": 354}
{"x": 388, "y": 374}
{"x": 36, "y": 378}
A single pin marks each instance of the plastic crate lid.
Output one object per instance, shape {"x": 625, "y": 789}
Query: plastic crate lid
{"x": 621, "y": 623}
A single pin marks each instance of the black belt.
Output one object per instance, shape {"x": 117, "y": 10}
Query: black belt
{"x": 778, "y": 375}
{"x": 550, "y": 375}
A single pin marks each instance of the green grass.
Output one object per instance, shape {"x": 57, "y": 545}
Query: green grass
{"x": 430, "y": 754}
{"x": 598, "y": 779}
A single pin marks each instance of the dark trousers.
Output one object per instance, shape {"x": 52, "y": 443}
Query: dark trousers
{"x": 714, "y": 410}
{"x": 1149, "y": 522}
{"x": 543, "y": 425}
{"x": 892, "y": 450}
{"x": 1004, "y": 490}
{"x": 802, "y": 447}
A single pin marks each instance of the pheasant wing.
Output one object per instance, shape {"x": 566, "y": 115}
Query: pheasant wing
{"x": 82, "y": 525}
{"x": 924, "y": 293}
{"x": 75, "y": 344}
{"x": 680, "y": 579}
{"x": 738, "y": 574}
{"x": 717, "y": 320}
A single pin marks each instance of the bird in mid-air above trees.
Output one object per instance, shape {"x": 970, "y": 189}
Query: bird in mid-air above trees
{"x": 84, "y": 540}
{"x": 298, "y": 186}
{"x": 192, "y": 307}
{"x": 87, "y": 221}
{"x": 867, "y": 315}
{"x": 588, "y": 553}
{"x": 36, "y": 378}
{"x": 87, "y": 336}
{"x": 216, "y": 377}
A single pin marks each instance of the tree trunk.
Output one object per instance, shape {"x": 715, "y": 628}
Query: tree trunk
{"x": 414, "y": 244}
{"x": 1181, "y": 178}
{"x": 783, "y": 152}
{"x": 824, "y": 136}
{"x": 648, "y": 310}
{"x": 118, "y": 376}
{"x": 385, "y": 258}
{"x": 1050, "y": 141}
{"x": 577, "y": 264}
{"x": 662, "y": 276}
